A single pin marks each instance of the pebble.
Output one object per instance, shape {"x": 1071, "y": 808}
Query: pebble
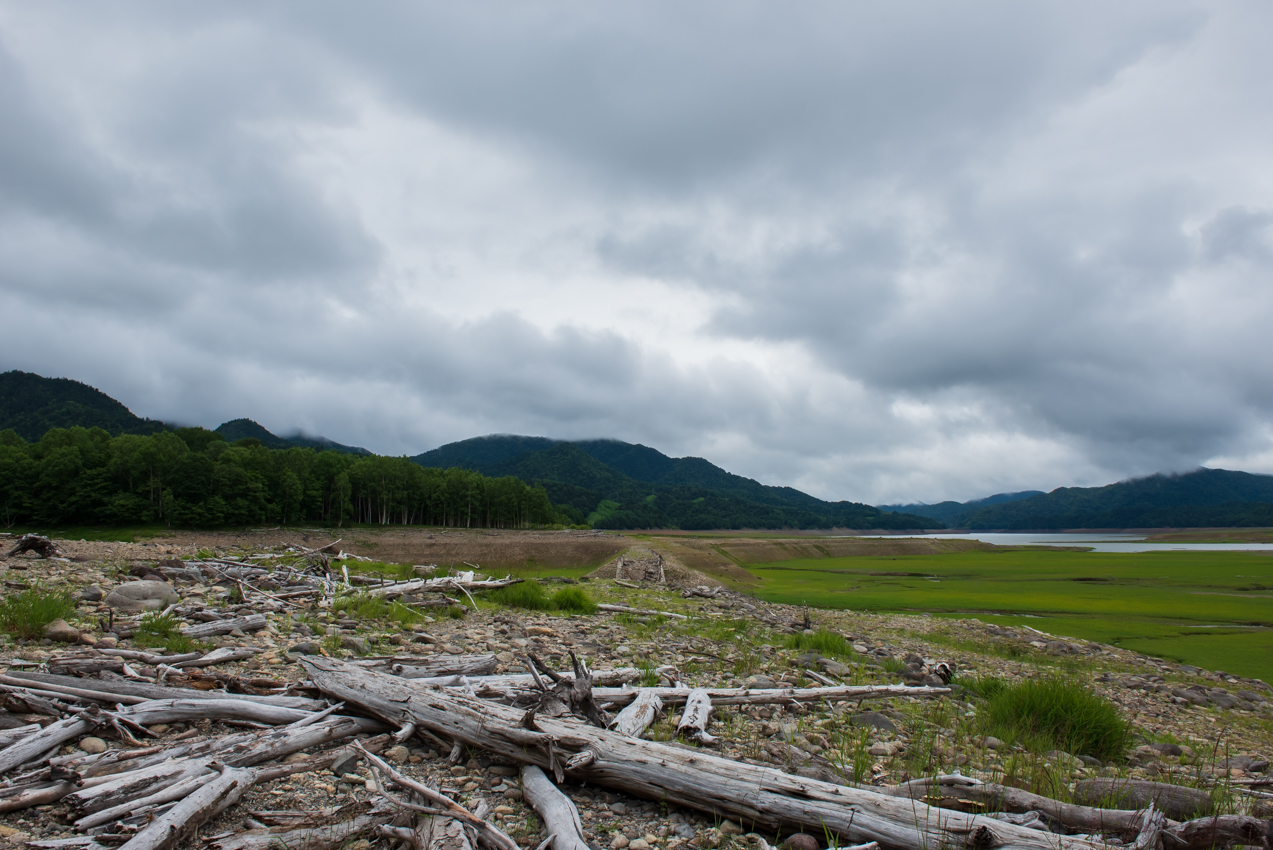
{"x": 92, "y": 746}
{"x": 619, "y": 842}
{"x": 638, "y": 844}
{"x": 398, "y": 754}
{"x": 802, "y": 841}
{"x": 730, "y": 828}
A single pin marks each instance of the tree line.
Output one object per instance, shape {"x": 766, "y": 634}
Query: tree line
{"x": 193, "y": 478}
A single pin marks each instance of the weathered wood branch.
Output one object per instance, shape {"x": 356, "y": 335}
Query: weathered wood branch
{"x": 559, "y": 814}
{"x": 624, "y": 609}
{"x": 250, "y": 623}
{"x": 765, "y": 696}
{"x": 326, "y": 837}
{"x": 1178, "y": 802}
{"x": 486, "y": 830}
{"x": 696, "y": 779}
{"x": 695, "y": 717}
{"x": 639, "y": 714}
{"x": 176, "y": 827}
{"x": 116, "y": 690}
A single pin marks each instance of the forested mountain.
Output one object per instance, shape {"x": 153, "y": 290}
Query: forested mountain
{"x": 1206, "y": 497}
{"x": 479, "y": 452}
{"x": 611, "y": 484}
{"x": 31, "y": 404}
{"x": 952, "y": 513}
{"x": 240, "y": 429}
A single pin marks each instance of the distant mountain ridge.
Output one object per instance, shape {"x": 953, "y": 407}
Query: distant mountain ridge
{"x": 239, "y": 429}
{"x": 613, "y": 484}
{"x": 1204, "y": 497}
{"x": 31, "y": 405}
{"x": 951, "y": 512}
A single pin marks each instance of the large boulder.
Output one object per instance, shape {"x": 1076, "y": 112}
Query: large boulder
{"x": 137, "y": 596}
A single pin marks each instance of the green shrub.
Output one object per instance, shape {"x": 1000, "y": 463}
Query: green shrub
{"x": 1061, "y": 714}
{"x": 823, "y": 642}
{"x": 575, "y": 600}
{"x": 26, "y": 614}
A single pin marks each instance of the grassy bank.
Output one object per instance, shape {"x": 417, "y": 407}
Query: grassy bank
{"x": 1212, "y": 609}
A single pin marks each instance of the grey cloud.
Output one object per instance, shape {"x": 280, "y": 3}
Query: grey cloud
{"x": 922, "y": 281}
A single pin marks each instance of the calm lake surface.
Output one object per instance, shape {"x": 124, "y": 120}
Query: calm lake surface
{"x": 1097, "y": 542}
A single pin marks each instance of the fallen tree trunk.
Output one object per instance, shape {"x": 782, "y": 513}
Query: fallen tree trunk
{"x": 118, "y": 690}
{"x": 756, "y": 795}
{"x": 948, "y": 791}
{"x": 176, "y": 827}
{"x": 326, "y": 837}
{"x": 639, "y": 714}
{"x": 558, "y": 813}
{"x": 624, "y": 609}
{"x": 697, "y": 714}
{"x": 764, "y": 696}
{"x": 250, "y": 623}
{"x": 452, "y": 665}
{"x": 1177, "y": 802}
{"x": 1200, "y": 834}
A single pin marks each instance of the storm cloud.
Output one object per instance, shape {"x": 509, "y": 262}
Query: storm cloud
{"x": 880, "y": 253}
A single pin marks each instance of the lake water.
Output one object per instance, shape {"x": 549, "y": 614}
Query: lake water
{"x": 1113, "y": 542}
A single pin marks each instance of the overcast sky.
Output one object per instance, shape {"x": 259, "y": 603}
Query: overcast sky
{"x": 877, "y": 251}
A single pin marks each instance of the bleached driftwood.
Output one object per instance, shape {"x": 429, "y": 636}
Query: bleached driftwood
{"x": 767, "y": 696}
{"x": 639, "y": 714}
{"x": 326, "y": 837}
{"x": 696, "y": 716}
{"x": 558, "y": 813}
{"x": 624, "y": 609}
{"x": 118, "y": 690}
{"x": 447, "y": 665}
{"x": 177, "y": 826}
{"x": 1178, "y": 802}
{"x": 250, "y": 623}
{"x": 754, "y": 794}
{"x": 486, "y": 830}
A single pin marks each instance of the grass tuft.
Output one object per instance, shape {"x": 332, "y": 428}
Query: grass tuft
{"x": 27, "y": 613}
{"x": 984, "y": 687}
{"x": 575, "y": 600}
{"x": 531, "y": 596}
{"x": 1059, "y": 713}
{"x": 823, "y": 642}
{"x": 163, "y": 630}
{"x": 527, "y": 594}
{"x": 364, "y": 606}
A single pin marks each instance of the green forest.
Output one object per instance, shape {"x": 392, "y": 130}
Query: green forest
{"x": 194, "y": 478}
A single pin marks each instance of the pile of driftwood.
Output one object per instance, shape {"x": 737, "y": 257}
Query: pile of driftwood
{"x": 580, "y": 725}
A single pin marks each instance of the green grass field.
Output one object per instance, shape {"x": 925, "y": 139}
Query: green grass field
{"x": 1211, "y": 609}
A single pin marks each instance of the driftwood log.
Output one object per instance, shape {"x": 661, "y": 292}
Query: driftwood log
{"x": 696, "y": 716}
{"x": 757, "y": 796}
{"x": 1177, "y": 802}
{"x": 42, "y": 546}
{"x": 558, "y": 813}
{"x": 250, "y": 623}
{"x": 639, "y": 714}
{"x": 118, "y": 690}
